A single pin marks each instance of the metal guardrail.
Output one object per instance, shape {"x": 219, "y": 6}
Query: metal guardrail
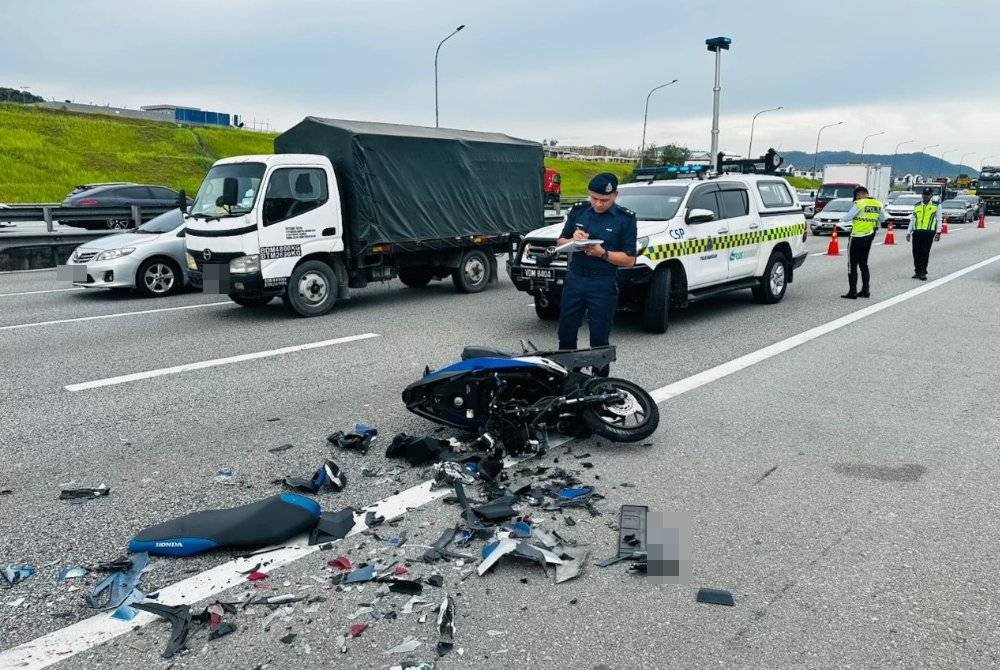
{"x": 50, "y": 213}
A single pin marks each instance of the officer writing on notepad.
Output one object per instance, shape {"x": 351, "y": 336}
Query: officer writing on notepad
{"x": 592, "y": 281}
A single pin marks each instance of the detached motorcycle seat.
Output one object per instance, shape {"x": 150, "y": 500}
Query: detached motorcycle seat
{"x": 259, "y": 524}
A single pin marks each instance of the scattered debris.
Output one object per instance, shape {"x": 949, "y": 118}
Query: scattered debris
{"x": 280, "y": 448}
{"x": 328, "y": 476}
{"x": 341, "y": 562}
{"x": 359, "y": 440}
{"x": 289, "y": 638}
{"x": 446, "y": 626}
{"x": 16, "y": 573}
{"x": 72, "y": 573}
{"x": 225, "y": 476}
{"x": 179, "y": 617}
{"x": 84, "y": 494}
{"x": 257, "y": 576}
{"x": 436, "y": 581}
{"x": 573, "y": 567}
{"x": 715, "y": 597}
{"x": 365, "y": 574}
{"x": 358, "y": 628}
{"x": 119, "y": 586}
{"x": 405, "y": 586}
{"x": 631, "y": 535}
{"x": 405, "y": 647}
{"x": 224, "y": 628}
{"x": 415, "y": 603}
{"x": 333, "y": 526}
{"x": 418, "y": 450}
{"x": 439, "y": 550}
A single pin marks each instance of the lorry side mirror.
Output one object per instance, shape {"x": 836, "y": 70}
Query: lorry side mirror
{"x": 182, "y": 203}
{"x": 700, "y": 216}
{"x": 230, "y": 193}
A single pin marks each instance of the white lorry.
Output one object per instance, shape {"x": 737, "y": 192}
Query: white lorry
{"x": 839, "y": 181}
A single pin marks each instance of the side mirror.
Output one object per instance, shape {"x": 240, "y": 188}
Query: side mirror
{"x": 700, "y": 216}
{"x": 230, "y": 195}
{"x": 182, "y": 201}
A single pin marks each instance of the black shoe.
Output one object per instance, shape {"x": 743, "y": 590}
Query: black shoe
{"x": 864, "y": 294}
{"x": 922, "y": 277}
{"x": 850, "y": 295}
{"x": 916, "y": 276}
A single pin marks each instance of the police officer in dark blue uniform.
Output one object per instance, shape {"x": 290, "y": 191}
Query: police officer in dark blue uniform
{"x": 592, "y": 281}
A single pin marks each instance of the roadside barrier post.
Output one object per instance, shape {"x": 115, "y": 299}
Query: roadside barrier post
{"x": 47, "y": 215}
{"x": 136, "y": 216}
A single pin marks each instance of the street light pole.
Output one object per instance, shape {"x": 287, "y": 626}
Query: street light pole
{"x": 718, "y": 45}
{"x": 816, "y": 154}
{"x": 941, "y": 160}
{"x": 436, "y": 51}
{"x": 752, "y": 122}
{"x": 923, "y": 161}
{"x": 868, "y": 137}
{"x": 645, "y": 116}
{"x": 962, "y": 159}
{"x": 892, "y": 167}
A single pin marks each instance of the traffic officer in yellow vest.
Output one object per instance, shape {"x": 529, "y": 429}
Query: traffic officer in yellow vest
{"x": 924, "y": 232}
{"x": 865, "y": 216}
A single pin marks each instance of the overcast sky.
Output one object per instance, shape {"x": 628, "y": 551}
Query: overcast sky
{"x": 574, "y": 70}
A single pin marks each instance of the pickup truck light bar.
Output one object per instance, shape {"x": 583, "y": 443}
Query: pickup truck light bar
{"x": 671, "y": 172}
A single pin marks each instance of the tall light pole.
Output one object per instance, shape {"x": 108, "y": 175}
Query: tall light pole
{"x": 436, "y": 51}
{"x": 941, "y": 160}
{"x": 718, "y": 45}
{"x": 816, "y": 154}
{"x": 864, "y": 141}
{"x": 923, "y": 161}
{"x": 892, "y": 167}
{"x": 962, "y": 159}
{"x": 645, "y": 115}
{"x": 753, "y": 121}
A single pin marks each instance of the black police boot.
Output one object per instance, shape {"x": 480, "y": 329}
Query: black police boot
{"x": 602, "y": 372}
{"x": 850, "y": 295}
{"x": 864, "y": 293}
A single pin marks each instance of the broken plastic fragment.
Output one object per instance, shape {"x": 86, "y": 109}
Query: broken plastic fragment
{"x": 498, "y": 551}
{"x": 519, "y": 529}
{"x": 365, "y": 574}
{"x": 256, "y": 576}
{"x": 224, "y": 628}
{"x": 405, "y": 586}
{"x": 400, "y": 570}
{"x": 358, "y": 629}
{"x": 119, "y": 585}
{"x": 333, "y": 526}
{"x": 328, "y": 476}
{"x": 81, "y": 494}
{"x": 341, "y": 562}
{"x": 574, "y": 493}
{"x": 17, "y": 573}
{"x": 715, "y": 597}
{"x": 415, "y": 603}
{"x": 497, "y": 510}
{"x": 281, "y": 447}
{"x": 72, "y": 573}
{"x": 224, "y": 476}
{"x": 179, "y": 617}
{"x": 359, "y": 440}
{"x": 449, "y": 472}
{"x": 573, "y": 566}
{"x": 436, "y": 580}
{"x": 405, "y": 647}
{"x": 446, "y": 626}
{"x": 289, "y": 638}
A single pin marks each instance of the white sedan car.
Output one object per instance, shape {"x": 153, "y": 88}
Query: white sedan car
{"x": 149, "y": 259}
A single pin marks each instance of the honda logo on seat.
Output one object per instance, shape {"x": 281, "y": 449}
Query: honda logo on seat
{"x": 207, "y": 254}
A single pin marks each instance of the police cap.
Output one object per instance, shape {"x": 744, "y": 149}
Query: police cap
{"x": 927, "y": 191}
{"x": 604, "y": 183}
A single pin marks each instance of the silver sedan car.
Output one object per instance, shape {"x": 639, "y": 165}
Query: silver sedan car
{"x": 149, "y": 259}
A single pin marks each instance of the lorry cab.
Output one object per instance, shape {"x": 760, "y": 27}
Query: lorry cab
{"x": 256, "y": 217}
{"x": 828, "y": 192}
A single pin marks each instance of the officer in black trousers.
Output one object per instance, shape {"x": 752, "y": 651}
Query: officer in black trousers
{"x": 592, "y": 281}
{"x": 924, "y": 232}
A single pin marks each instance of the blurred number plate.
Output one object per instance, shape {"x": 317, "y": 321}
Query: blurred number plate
{"x": 539, "y": 273}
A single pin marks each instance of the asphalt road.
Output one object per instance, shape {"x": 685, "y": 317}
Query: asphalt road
{"x": 870, "y": 542}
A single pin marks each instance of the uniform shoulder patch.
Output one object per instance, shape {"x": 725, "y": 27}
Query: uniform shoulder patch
{"x": 581, "y": 205}
{"x": 626, "y": 210}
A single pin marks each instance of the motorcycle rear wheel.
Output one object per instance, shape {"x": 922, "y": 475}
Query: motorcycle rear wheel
{"x": 635, "y": 419}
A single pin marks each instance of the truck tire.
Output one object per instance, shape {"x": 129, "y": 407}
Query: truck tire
{"x": 656, "y": 311}
{"x": 774, "y": 281}
{"x": 251, "y": 302}
{"x": 312, "y": 289}
{"x": 548, "y": 312}
{"x": 473, "y": 273}
{"x": 416, "y": 277}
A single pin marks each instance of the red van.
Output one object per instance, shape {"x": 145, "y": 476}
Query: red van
{"x": 551, "y": 187}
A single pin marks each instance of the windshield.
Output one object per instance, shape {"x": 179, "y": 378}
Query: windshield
{"x": 953, "y": 204}
{"x": 906, "y": 200}
{"x": 839, "y": 205}
{"x": 989, "y": 183}
{"x": 842, "y": 191}
{"x": 652, "y": 203}
{"x": 163, "y": 223}
{"x": 248, "y": 176}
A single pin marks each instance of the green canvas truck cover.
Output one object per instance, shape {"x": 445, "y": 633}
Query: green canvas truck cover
{"x": 407, "y": 184}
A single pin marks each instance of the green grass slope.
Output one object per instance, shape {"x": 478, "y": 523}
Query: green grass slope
{"x": 45, "y": 153}
{"x": 576, "y": 174}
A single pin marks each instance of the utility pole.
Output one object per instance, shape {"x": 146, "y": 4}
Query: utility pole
{"x": 816, "y": 155}
{"x": 752, "y": 122}
{"x": 718, "y": 45}
{"x": 436, "y": 52}
{"x": 645, "y": 116}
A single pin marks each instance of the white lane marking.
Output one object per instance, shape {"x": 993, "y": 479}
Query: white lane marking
{"x": 88, "y": 633}
{"x": 51, "y": 290}
{"x": 669, "y": 391}
{"x": 201, "y": 365}
{"x": 112, "y": 316}
{"x": 81, "y": 636}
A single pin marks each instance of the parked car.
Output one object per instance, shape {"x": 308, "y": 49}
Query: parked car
{"x": 829, "y": 218}
{"x": 808, "y": 201}
{"x": 975, "y": 203}
{"x": 116, "y": 194}
{"x": 955, "y": 211}
{"x": 149, "y": 259}
{"x": 899, "y": 210}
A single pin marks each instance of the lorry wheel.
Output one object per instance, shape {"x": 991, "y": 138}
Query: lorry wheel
{"x": 547, "y": 312}
{"x": 774, "y": 282}
{"x": 251, "y": 302}
{"x": 416, "y": 277}
{"x": 473, "y": 272}
{"x": 312, "y": 289}
{"x": 656, "y": 311}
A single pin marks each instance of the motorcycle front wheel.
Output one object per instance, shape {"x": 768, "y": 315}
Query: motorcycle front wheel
{"x": 630, "y": 420}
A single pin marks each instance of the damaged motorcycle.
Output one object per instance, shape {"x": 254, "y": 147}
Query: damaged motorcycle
{"x": 518, "y": 398}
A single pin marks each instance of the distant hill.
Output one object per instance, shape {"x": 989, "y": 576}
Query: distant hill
{"x": 914, "y": 163}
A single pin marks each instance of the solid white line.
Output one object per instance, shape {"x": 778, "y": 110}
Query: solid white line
{"x": 81, "y": 636}
{"x": 112, "y": 316}
{"x": 718, "y": 372}
{"x": 201, "y": 365}
{"x": 51, "y": 290}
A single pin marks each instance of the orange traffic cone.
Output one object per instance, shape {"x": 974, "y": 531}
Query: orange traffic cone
{"x": 834, "y": 248}
{"x": 890, "y": 237}
{"x": 982, "y": 221}
{"x": 944, "y": 227}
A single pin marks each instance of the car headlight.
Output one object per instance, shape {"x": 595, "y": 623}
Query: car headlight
{"x": 189, "y": 259}
{"x": 114, "y": 253}
{"x": 641, "y": 243}
{"x": 245, "y": 265}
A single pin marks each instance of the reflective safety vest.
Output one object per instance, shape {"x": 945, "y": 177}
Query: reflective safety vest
{"x": 923, "y": 216}
{"x": 866, "y": 220}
